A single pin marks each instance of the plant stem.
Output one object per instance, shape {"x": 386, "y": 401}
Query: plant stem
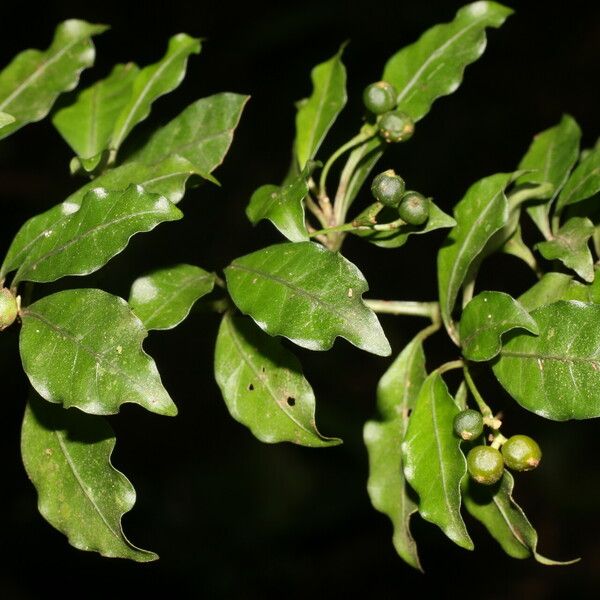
{"x": 315, "y": 210}
{"x": 355, "y": 227}
{"x": 363, "y": 136}
{"x": 449, "y": 366}
{"x": 430, "y": 310}
{"x": 485, "y": 410}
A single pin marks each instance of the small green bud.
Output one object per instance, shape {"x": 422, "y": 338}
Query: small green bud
{"x": 521, "y": 453}
{"x": 387, "y": 188}
{"x": 380, "y": 97}
{"x": 396, "y": 126}
{"x": 9, "y": 308}
{"x": 485, "y": 464}
{"x": 468, "y": 424}
{"x": 414, "y": 208}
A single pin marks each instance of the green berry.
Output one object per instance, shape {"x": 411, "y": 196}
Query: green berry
{"x": 396, "y": 126}
{"x": 380, "y": 97}
{"x": 468, "y": 424}
{"x": 9, "y": 309}
{"x": 485, "y": 464}
{"x": 414, "y": 208}
{"x": 521, "y": 453}
{"x": 388, "y": 188}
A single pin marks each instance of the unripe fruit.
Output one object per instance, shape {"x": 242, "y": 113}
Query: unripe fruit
{"x": 485, "y": 464}
{"x": 521, "y": 453}
{"x": 468, "y": 424}
{"x": 380, "y": 97}
{"x": 414, "y": 208}
{"x": 9, "y": 309}
{"x": 388, "y": 188}
{"x": 396, "y": 126}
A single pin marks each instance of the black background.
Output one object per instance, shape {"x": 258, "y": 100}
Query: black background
{"x": 232, "y": 517}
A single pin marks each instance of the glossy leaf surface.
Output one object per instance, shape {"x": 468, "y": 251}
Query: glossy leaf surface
{"x": 485, "y": 319}
{"x": 553, "y": 287}
{"x": 30, "y": 84}
{"x": 152, "y": 82}
{"x": 570, "y": 246}
{"x": 83, "y": 348}
{"x": 308, "y": 294}
{"x": 550, "y": 159}
{"x": 479, "y": 215}
{"x": 434, "y": 65}
{"x": 556, "y": 374}
{"x": 398, "y": 237}
{"x": 505, "y": 520}
{"x": 396, "y": 394}
{"x": 88, "y": 123}
{"x": 164, "y": 298}
{"x": 433, "y": 462}
{"x": 584, "y": 182}
{"x": 67, "y": 456}
{"x": 87, "y": 237}
{"x": 202, "y": 133}
{"x": 263, "y": 385}
{"x": 318, "y": 113}
{"x": 282, "y": 206}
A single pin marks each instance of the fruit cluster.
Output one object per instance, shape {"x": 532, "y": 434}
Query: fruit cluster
{"x": 394, "y": 125}
{"x": 486, "y": 463}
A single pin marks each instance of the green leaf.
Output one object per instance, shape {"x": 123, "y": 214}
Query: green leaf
{"x": 30, "y": 84}
{"x": 484, "y": 321}
{"x": 89, "y": 236}
{"x": 434, "y": 65}
{"x": 263, "y": 385}
{"x": 396, "y": 394}
{"x": 495, "y": 508}
{"x": 164, "y": 298}
{"x": 202, "y": 133}
{"x": 515, "y": 246}
{"x": 398, "y": 237}
{"x": 282, "y": 206}
{"x": 317, "y": 114}
{"x": 553, "y": 287}
{"x": 550, "y": 159}
{"x": 87, "y": 124}
{"x": 583, "y": 183}
{"x": 556, "y": 375}
{"x": 433, "y": 463}
{"x": 5, "y": 119}
{"x": 152, "y": 82}
{"x": 278, "y": 288}
{"x": 570, "y": 246}
{"x": 479, "y": 215}
{"x": 83, "y": 348}
{"x": 67, "y": 456}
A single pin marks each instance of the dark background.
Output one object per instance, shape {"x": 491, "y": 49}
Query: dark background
{"x": 232, "y": 517}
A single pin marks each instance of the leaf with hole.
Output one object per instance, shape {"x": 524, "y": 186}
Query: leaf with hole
{"x": 433, "y": 462}
{"x": 30, "y": 84}
{"x": 433, "y": 66}
{"x": 263, "y": 385}
{"x": 67, "y": 456}
{"x": 481, "y": 213}
{"x": 556, "y": 374}
{"x": 87, "y": 124}
{"x": 496, "y": 509}
{"x": 570, "y": 247}
{"x": 88, "y": 236}
{"x": 317, "y": 114}
{"x": 308, "y": 294}
{"x": 83, "y": 348}
{"x": 164, "y": 298}
{"x": 202, "y": 133}
{"x": 151, "y": 83}
{"x": 484, "y": 321}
